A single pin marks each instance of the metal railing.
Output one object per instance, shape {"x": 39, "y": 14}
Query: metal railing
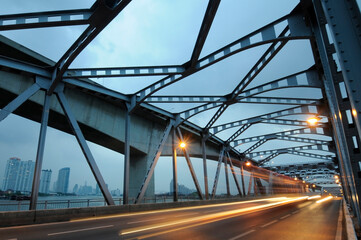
{"x": 23, "y": 205}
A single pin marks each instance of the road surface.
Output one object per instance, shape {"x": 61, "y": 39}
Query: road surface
{"x": 272, "y": 218}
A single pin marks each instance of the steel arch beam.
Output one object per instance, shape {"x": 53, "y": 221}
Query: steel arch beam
{"x": 203, "y": 32}
{"x": 260, "y": 118}
{"x": 104, "y": 13}
{"x": 45, "y": 19}
{"x": 123, "y": 71}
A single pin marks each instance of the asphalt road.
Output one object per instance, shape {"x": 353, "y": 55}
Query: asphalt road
{"x": 277, "y": 218}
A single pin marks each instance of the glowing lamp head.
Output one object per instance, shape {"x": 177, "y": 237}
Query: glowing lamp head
{"x": 313, "y": 120}
{"x": 336, "y": 177}
{"x": 296, "y": 178}
{"x": 354, "y": 112}
{"x": 313, "y": 185}
{"x": 248, "y": 163}
{"x": 182, "y": 145}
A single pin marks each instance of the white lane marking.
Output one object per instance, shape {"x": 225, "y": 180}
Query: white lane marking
{"x": 339, "y": 224}
{"x": 242, "y": 235}
{"x": 80, "y": 230}
{"x": 149, "y": 220}
{"x": 286, "y": 216}
{"x": 267, "y": 224}
{"x": 296, "y": 212}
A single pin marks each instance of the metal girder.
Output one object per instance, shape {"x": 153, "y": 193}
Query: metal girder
{"x": 18, "y": 101}
{"x": 308, "y": 78}
{"x": 318, "y": 147}
{"x": 344, "y": 21}
{"x": 25, "y": 67}
{"x": 234, "y": 174}
{"x": 123, "y": 71}
{"x": 215, "y": 183}
{"x": 270, "y": 53}
{"x": 45, "y": 19}
{"x": 269, "y": 158}
{"x": 318, "y": 156}
{"x": 351, "y": 190}
{"x": 280, "y": 100}
{"x": 292, "y": 122}
{"x": 190, "y": 166}
{"x": 40, "y": 154}
{"x": 203, "y": 32}
{"x": 185, "y": 99}
{"x": 239, "y": 132}
{"x": 285, "y": 112}
{"x": 205, "y": 172}
{"x": 104, "y": 13}
{"x": 193, "y": 111}
{"x": 84, "y": 147}
{"x": 149, "y": 174}
{"x": 304, "y": 140}
{"x": 313, "y": 130}
{"x": 267, "y": 35}
{"x": 256, "y": 145}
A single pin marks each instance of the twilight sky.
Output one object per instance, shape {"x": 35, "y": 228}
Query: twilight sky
{"x": 147, "y": 33}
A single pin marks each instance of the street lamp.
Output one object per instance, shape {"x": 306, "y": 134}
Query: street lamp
{"x": 182, "y": 144}
{"x": 248, "y": 164}
{"x": 313, "y": 120}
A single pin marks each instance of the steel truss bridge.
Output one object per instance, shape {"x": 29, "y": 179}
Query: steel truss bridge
{"x": 332, "y": 28}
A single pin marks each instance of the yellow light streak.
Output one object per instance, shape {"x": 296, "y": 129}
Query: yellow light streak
{"x": 179, "y": 209}
{"x": 314, "y": 197}
{"x": 211, "y": 217}
{"x": 325, "y": 199}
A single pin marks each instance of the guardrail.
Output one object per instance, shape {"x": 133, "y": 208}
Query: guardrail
{"x": 23, "y": 205}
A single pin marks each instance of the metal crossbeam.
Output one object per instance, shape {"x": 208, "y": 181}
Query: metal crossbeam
{"x": 203, "y": 32}
{"x": 270, "y": 53}
{"x": 269, "y": 158}
{"x": 280, "y": 100}
{"x": 267, "y": 34}
{"x": 308, "y": 78}
{"x": 304, "y": 140}
{"x": 239, "y": 132}
{"x": 299, "y": 148}
{"x": 281, "y": 134}
{"x": 285, "y": 112}
{"x": 318, "y": 156}
{"x": 123, "y": 71}
{"x": 45, "y": 19}
{"x": 104, "y": 13}
{"x": 256, "y": 145}
{"x": 149, "y": 174}
{"x": 185, "y": 99}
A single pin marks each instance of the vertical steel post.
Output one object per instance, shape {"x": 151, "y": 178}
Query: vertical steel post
{"x": 40, "y": 153}
{"x": 250, "y": 182}
{"x": 205, "y": 173}
{"x": 233, "y": 171}
{"x": 226, "y": 175}
{"x": 190, "y": 166}
{"x": 126, "y": 158}
{"x": 84, "y": 147}
{"x": 214, "y": 189}
{"x": 175, "y": 174}
{"x": 242, "y": 179}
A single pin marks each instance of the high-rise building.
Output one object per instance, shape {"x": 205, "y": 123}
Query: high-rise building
{"x": 45, "y": 179}
{"x": 18, "y": 175}
{"x": 63, "y": 180}
{"x": 11, "y": 172}
{"x": 25, "y": 176}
